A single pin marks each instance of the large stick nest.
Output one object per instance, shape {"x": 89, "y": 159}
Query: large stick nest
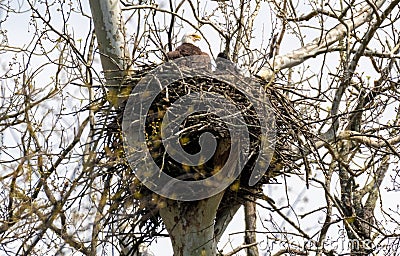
{"x": 138, "y": 211}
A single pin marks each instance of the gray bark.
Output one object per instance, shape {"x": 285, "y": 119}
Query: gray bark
{"x": 250, "y": 218}
{"x": 114, "y": 54}
{"x": 191, "y": 226}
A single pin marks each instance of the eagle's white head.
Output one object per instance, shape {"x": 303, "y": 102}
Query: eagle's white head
{"x": 191, "y": 38}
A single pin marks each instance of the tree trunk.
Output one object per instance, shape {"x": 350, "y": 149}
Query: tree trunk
{"x": 114, "y": 54}
{"x": 191, "y": 226}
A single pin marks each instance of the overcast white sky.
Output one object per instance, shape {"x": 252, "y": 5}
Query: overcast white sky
{"x": 298, "y": 197}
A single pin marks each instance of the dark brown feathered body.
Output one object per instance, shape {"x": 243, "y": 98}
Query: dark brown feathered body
{"x": 202, "y": 61}
{"x": 184, "y": 50}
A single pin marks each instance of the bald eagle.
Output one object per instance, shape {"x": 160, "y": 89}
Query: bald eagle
{"x": 225, "y": 65}
{"x": 187, "y": 48}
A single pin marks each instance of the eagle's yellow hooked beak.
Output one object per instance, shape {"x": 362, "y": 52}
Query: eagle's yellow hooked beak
{"x": 196, "y": 37}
